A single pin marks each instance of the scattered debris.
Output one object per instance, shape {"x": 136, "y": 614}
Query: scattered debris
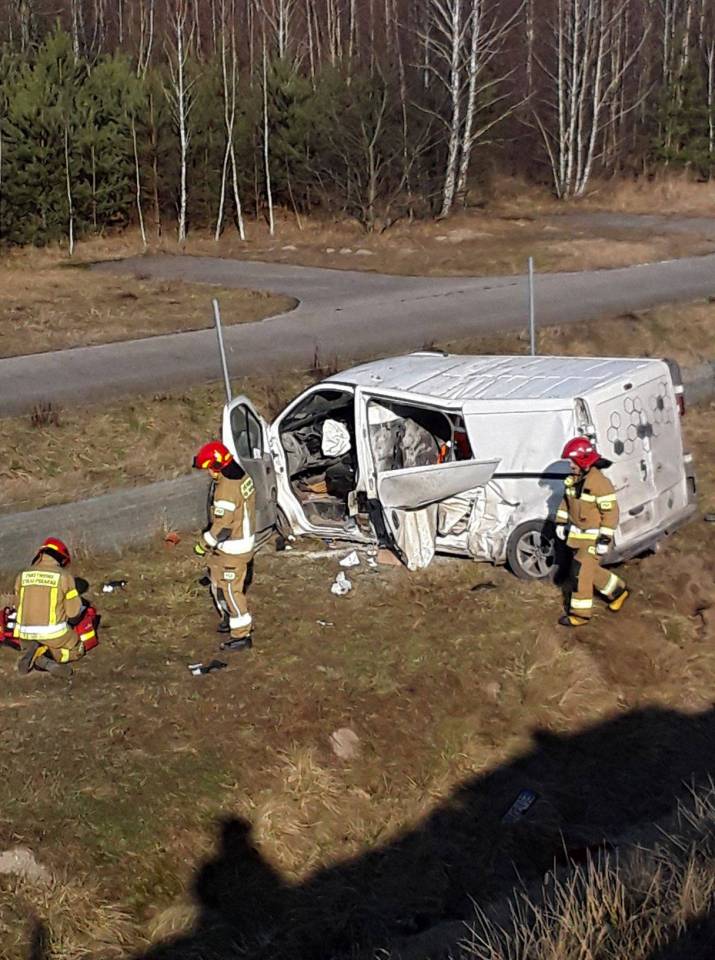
{"x": 172, "y": 538}
{"x": 111, "y": 585}
{"x": 352, "y": 560}
{"x": 524, "y": 801}
{"x": 493, "y": 690}
{"x": 20, "y": 862}
{"x": 487, "y": 585}
{"x": 372, "y": 562}
{"x": 345, "y": 250}
{"x": 289, "y": 246}
{"x": 330, "y": 249}
{"x": 325, "y": 623}
{"x": 197, "y": 669}
{"x": 709, "y": 518}
{"x": 342, "y": 585}
{"x": 362, "y": 252}
{"x": 345, "y": 743}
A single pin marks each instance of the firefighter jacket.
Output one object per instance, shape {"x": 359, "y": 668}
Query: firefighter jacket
{"x": 48, "y": 602}
{"x": 233, "y": 513}
{"x": 589, "y": 507}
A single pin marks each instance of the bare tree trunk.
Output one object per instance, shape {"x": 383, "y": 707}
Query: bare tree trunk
{"x": 230, "y": 83}
{"x": 138, "y": 183}
{"x": 180, "y": 99}
{"x": 266, "y": 157}
{"x": 154, "y": 139}
{"x": 710, "y": 53}
{"x": 453, "y": 9}
{"x": 70, "y": 205}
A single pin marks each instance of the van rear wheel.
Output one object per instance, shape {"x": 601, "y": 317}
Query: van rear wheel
{"x": 531, "y": 550}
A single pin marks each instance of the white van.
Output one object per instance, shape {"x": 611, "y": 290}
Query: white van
{"x": 461, "y": 454}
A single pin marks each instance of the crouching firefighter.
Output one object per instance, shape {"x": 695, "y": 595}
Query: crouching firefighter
{"x": 587, "y": 520}
{"x": 52, "y": 623}
{"x": 228, "y": 543}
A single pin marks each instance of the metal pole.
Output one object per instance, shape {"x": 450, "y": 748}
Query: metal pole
{"x": 222, "y": 352}
{"x": 532, "y": 322}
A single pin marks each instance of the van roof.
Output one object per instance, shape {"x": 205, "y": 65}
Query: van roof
{"x": 454, "y": 377}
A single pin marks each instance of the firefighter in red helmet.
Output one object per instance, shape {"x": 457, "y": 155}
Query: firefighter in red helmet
{"x": 51, "y": 617}
{"x": 228, "y": 542}
{"x": 587, "y": 520}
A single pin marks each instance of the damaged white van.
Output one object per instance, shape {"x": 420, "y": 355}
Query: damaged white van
{"x": 433, "y": 453}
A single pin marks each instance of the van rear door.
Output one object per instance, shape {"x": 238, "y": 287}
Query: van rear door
{"x": 638, "y": 428}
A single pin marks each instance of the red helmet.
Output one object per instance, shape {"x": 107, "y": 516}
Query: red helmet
{"x": 212, "y": 456}
{"x": 57, "y": 549}
{"x": 582, "y": 451}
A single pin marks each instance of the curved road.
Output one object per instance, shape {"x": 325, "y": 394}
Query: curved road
{"x": 347, "y": 314}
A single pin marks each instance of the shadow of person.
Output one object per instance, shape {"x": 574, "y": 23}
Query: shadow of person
{"x": 593, "y": 787}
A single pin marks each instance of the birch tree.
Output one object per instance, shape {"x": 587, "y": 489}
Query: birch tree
{"x": 229, "y": 74}
{"x": 179, "y": 93}
{"x": 581, "y": 78}
{"x": 266, "y": 152}
{"x": 462, "y": 47}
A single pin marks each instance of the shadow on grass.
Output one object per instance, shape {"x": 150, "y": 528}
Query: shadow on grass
{"x": 592, "y": 787}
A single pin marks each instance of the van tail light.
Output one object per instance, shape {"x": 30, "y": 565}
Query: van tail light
{"x": 680, "y": 399}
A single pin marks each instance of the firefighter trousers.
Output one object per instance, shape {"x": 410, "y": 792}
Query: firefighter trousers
{"x": 64, "y": 649}
{"x": 587, "y": 574}
{"x": 229, "y": 576}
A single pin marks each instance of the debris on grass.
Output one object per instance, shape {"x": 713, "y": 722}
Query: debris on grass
{"x": 172, "y": 538}
{"x": 198, "y": 669}
{"x": 341, "y": 586}
{"x": 111, "y": 585}
{"x": 524, "y": 801}
{"x": 352, "y": 560}
{"x": 21, "y": 862}
{"x": 345, "y": 743}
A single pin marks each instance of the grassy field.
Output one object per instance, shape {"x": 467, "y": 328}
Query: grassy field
{"x": 136, "y": 784}
{"x": 45, "y": 304}
{"x": 142, "y": 439}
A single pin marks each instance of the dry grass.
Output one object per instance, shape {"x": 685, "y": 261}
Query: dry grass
{"x": 46, "y": 305}
{"x": 443, "y": 685}
{"x": 150, "y": 438}
{"x": 631, "y": 905}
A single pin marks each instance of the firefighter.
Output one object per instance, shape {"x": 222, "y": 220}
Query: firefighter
{"x": 48, "y": 608}
{"x": 587, "y": 520}
{"x": 228, "y": 543}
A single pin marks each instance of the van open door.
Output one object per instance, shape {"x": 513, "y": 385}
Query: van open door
{"x": 245, "y": 433}
{"x": 406, "y": 498}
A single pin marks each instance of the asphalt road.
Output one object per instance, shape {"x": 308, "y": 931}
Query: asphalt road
{"x": 347, "y": 314}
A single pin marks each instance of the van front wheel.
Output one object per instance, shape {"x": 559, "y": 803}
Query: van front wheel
{"x": 531, "y": 551}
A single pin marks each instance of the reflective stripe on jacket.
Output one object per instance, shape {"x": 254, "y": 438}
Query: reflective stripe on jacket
{"x": 47, "y": 598}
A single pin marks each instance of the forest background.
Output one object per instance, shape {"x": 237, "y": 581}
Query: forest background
{"x": 194, "y": 114}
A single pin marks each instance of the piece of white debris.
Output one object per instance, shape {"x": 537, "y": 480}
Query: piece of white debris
{"x": 352, "y": 560}
{"x": 111, "y": 585}
{"x": 345, "y": 743}
{"x": 372, "y": 562}
{"x": 325, "y": 623}
{"x": 341, "y": 586}
{"x": 20, "y": 862}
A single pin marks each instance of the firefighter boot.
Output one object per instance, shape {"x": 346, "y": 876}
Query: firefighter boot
{"x": 224, "y": 626}
{"x": 619, "y": 599}
{"x": 62, "y": 671}
{"x": 30, "y": 654}
{"x": 569, "y": 620}
{"x": 237, "y": 643}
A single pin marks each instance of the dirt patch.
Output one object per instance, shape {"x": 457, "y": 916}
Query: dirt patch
{"x": 440, "y": 683}
{"x": 44, "y": 306}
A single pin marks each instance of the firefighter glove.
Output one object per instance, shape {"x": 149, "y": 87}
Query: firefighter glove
{"x": 561, "y": 531}
{"x": 199, "y": 549}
